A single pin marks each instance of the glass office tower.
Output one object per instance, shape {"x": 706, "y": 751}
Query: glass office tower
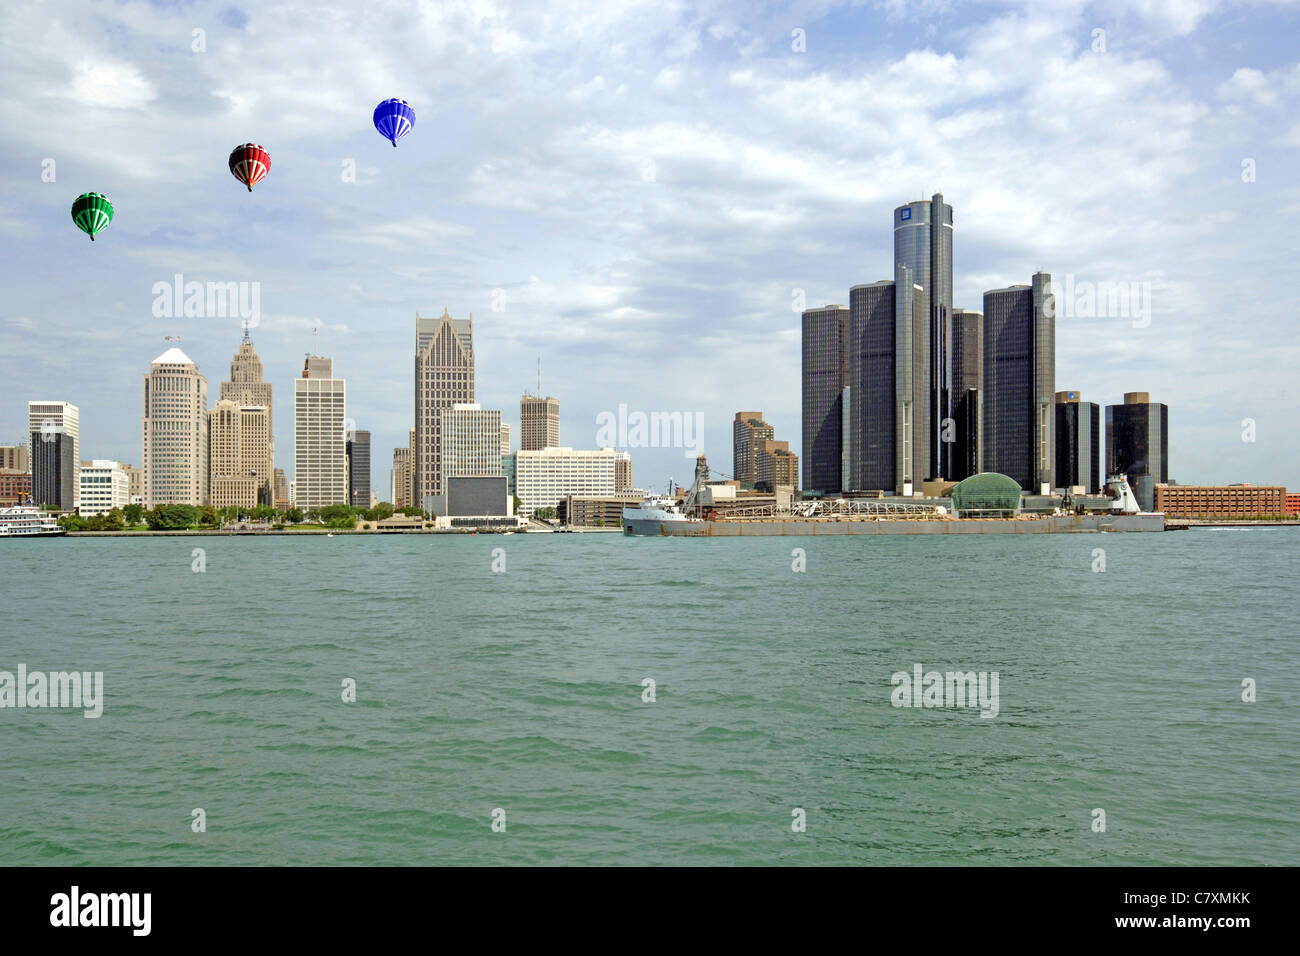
{"x": 968, "y": 391}
{"x": 1078, "y": 443}
{"x": 825, "y": 371}
{"x": 923, "y": 246}
{"x": 1137, "y": 444}
{"x": 1020, "y": 383}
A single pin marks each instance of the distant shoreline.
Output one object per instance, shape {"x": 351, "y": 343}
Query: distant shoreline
{"x": 325, "y": 532}
{"x": 1173, "y": 524}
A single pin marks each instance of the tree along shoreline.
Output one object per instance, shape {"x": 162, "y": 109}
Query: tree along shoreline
{"x": 208, "y": 518}
{"x": 307, "y": 531}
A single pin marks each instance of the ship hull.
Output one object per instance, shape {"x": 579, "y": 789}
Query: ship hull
{"x": 659, "y": 526}
{"x": 1054, "y": 524}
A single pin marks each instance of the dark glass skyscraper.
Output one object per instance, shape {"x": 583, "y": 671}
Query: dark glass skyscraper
{"x": 825, "y": 373}
{"x": 888, "y": 395}
{"x": 967, "y": 391}
{"x": 1137, "y": 444}
{"x": 871, "y": 387}
{"x": 1078, "y": 443}
{"x": 54, "y": 472}
{"x": 359, "y": 469}
{"x": 1020, "y": 382}
{"x": 923, "y": 246}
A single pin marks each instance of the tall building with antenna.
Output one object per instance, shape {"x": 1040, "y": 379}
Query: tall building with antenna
{"x": 247, "y": 385}
{"x": 539, "y": 418}
{"x": 539, "y": 422}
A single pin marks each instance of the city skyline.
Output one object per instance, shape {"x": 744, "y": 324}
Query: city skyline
{"x": 607, "y": 224}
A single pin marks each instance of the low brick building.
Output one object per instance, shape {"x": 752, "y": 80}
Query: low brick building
{"x": 15, "y": 488}
{"x": 1221, "y": 501}
{"x": 596, "y": 511}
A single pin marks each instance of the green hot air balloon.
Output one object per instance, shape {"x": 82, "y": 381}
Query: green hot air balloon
{"x": 92, "y": 212}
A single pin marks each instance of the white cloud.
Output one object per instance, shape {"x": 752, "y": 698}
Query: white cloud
{"x": 112, "y": 85}
{"x": 669, "y": 78}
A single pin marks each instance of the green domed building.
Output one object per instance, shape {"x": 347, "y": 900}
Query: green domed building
{"x": 986, "y": 495}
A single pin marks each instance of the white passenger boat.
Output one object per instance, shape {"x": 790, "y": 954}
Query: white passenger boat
{"x": 25, "y": 521}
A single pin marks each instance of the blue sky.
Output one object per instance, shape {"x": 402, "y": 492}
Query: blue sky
{"x": 649, "y": 184}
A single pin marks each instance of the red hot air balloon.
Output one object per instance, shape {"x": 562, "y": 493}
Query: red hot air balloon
{"x": 249, "y": 164}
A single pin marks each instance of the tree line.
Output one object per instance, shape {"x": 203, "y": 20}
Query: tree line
{"x": 206, "y": 517}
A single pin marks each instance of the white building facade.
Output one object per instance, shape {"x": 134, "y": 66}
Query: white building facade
{"x": 320, "y": 455}
{"x": 543, "y": 477}
{"x": 471, "y": 441}
{"x": 105, "y": 485}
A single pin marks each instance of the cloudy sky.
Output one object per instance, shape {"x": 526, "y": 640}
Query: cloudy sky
{"x": 640, "y": 194}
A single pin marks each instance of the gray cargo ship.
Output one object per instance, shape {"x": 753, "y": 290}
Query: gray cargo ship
{"x": 1046, "y": 524}
{"x": 663, "y": 516}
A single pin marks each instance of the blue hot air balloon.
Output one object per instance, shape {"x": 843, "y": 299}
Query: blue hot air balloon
{"x": 394, "y": 119}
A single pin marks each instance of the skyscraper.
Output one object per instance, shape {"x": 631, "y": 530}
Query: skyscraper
{"x": 539, "y": 422}
{"x": 358, "y": 450}
{"x": 320, "y": 463}
{"x": 247, "y": 387}
{"x": 401, "y": 464}
{"x": 747, "y": 429}
{"x": 888, "y": 353}
{"x": 825, "y": 375}
{"x": 52, "y": 469}
{"x": 1020, "y": 383}
{"x": 49, "y": 419}
{"x": 1078, "y": 443}
{"x": 175, "y": 434}
{"x": 923, "y": 246}
{"x": 967, "y": 392}
{"x": 444, "y": 376}
{"x": 239, "y": 455}
{"x": 1137, "y": 444}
